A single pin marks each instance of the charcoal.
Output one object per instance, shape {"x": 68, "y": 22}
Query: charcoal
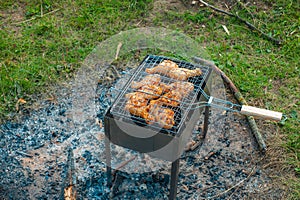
{"x": 143, "y": 187}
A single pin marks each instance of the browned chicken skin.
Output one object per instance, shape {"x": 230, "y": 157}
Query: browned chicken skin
{"x": 137, "y": 105}
{"x": 154, "y": 112}
{"x": 146, "y": 92}
{"x": 183, "y": 73}
{"x": 150, "y": 87}
{"x": 142, "y": 112}
{"x": 178, "y": 91}
{"x": 163, "y": 116}
{"x": 136, "y": 99}
{"x": 182, "y": 87}
{"x": 153, "y": 79}
{"x": 171, "y": 69}
{"x": 162, "y": 68}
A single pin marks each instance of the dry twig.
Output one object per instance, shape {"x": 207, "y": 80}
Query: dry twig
{"x": 250, "y": 26}
{"x": 33, "y": 18}
{"x": 24, "y": 154}
{"x": 118, "y": 50}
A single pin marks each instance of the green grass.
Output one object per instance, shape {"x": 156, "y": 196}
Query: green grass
{"x": 48, "y": 48}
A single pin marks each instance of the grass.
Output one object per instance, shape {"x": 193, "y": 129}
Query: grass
{"x": 39, "y": 47}
{"x": 49, "y": 48}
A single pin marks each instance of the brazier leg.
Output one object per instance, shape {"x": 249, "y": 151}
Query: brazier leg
{"x": 108, "y": 161}
{"x": 174, "y": 179}
{"x": 206, "y": 117}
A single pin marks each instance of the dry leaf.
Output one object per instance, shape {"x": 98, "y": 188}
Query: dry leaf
{"x": 20, "y": 101}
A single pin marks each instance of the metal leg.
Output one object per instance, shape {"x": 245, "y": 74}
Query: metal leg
{"x": 108, "y": 161}
{"x": 206, "y": 116}
{"x": 174, "y": 179}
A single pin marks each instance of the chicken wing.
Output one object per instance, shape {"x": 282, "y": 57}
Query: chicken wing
{"x": 162, "y": 68}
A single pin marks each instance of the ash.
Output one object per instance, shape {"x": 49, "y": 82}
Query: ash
{"x": 35, "y": 163}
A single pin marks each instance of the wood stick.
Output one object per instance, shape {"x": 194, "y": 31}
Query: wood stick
{"x": 250, "y": 26}
{"x": 253, "y": 125}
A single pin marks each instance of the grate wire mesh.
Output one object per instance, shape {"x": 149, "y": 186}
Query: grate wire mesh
{"x": 181, "y": 112}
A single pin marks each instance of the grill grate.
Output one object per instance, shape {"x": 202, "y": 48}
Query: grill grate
{"x": 181, "y": 113}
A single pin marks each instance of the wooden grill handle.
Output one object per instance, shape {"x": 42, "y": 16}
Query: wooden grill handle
{"x": 262, "y": 113}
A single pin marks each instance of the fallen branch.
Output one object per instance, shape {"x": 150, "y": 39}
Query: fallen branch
{"x": 69, "y": 183}
{"x": 235, "y": 186}
{"x": 251, "y": 26}
{"x": 240, "y": 99}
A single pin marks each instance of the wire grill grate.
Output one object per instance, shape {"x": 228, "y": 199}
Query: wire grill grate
{"x": 181, "y": 112}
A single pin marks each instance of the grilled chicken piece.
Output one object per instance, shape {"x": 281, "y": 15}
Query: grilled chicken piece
{"x": 137, "y": 104}
{"x": 163, "y": 116}
{"x": 171, "y": 69}
{"x": 178, "y": 91}
{"x": 142, "y": 112}
{"x": 136, "y": 99}
{"x": 182, "y": 87}
{"x": 146, "y": 92}
{"x": 150, "y": 86}
{"x": 153, "y": 79}
{"x": 171, "y": 98}
{"x": 162, "y": 68}
{"x": 151, "y": 91}
{"x": 152, "y": 113}
{"x": 183, "y": 73}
